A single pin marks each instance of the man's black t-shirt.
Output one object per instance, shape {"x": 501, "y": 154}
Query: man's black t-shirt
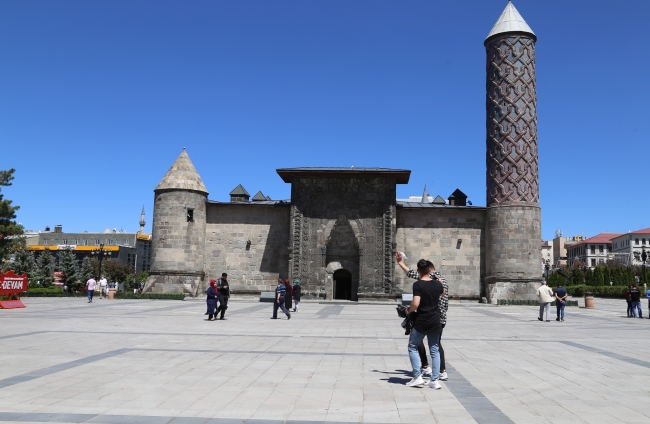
{"x": 224, "y": 290}
{"x": 428, "y": 319}
{"x": 635, "y": 295}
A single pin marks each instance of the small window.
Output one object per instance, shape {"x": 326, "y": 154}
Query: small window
{"x": 96, "y": 241}
{"x": 190, "y": 215}
{"x": 643, "y": 242}
{"x": 593, "y": 249}
{"x": 85, "y": 242}
{"x": 636, "y": 241}
{"x": 65, "y": 241}
{"x": 601, "y": 248}
{"x": 593, "y": 262}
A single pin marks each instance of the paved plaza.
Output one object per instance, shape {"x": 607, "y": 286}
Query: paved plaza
{"x": 136, "y": 361}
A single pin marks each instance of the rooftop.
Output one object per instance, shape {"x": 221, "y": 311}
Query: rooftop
{"x": 182, "y": 175}
{"x": 599, "y": 238}
{"x": 510, "y": 21}
{"x": 401, "y": 175}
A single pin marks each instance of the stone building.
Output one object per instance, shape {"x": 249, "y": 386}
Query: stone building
{"x": 342, "y": 226}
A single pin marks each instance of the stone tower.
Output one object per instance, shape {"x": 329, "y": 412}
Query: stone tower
{"x": 178, "y": 232}
{"x": 513, "y": 217}
{"x": 142, "y": 221}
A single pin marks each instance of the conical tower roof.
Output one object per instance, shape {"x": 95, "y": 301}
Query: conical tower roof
{"x": 182, "y": 176}
{"x": 510, "y": 21}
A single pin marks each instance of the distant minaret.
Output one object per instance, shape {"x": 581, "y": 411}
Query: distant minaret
{"x": 513, "y": 217}
{"x": 142, "y": 222}
{"x": 425, "y": 195}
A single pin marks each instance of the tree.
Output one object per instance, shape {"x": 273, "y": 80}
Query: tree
{"x": 599, "y": 277}
{"x": 607, "y": 278}
{"x": 589, "y": 277}
{"x": 24, "y": 263}
{"x": 44, "y": 272}
{"x": 86, "y": 271}
{"x": 68, "y": 266}
{"x": 555, "y": 279}
{"x": 8, "y": 226}
{"x": 577, "y": 276}
{"x": 117, "y": 272}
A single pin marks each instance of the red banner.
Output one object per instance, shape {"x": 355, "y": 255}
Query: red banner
{"x": 11, "y": 283}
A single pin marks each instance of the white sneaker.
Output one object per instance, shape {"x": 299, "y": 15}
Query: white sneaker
{"x": 443, "y": 376}
{"x": 435, "y": 385}
{"x": 416, "y": 382}
{"x": 427, "y": 371}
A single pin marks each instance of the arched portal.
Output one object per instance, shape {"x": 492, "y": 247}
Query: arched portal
{"x": 343, "y": 284}
{"x": 342, "y": 254}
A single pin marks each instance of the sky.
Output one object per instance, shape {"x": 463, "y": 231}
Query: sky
{"x": 97, "y": 99}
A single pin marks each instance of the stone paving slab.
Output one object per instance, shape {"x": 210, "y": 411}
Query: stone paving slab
{"x": 64, "y": 360}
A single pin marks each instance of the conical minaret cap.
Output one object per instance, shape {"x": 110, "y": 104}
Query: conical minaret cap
{"x": 182, "y": 176}
{"x": 510, "y": 21}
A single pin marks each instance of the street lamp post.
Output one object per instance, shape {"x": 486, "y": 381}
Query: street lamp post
{"x": 100, "y": 253}
{"x": 644, "y": 256}
{"x": 547, "y": 267}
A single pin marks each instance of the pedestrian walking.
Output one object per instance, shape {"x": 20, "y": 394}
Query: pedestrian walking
{"x": 224, "y": 295}
{"x": 297, "y": 291}
{"x": 635, "y": 299}
{"x": 103, "y": 285}
{"x": 560, "y": 301}
{"x": 545, "y": 295}
{"x": 629, "y": 302}
{"x": 426, "y": 301}
{"x": 91, "y": 284}
{"x": 648, "y": 296}
{"x": 211, "y": 301}
{"x": 280, "y": 293}
{"x": 288, "y": 298}
{"x": 444, "y": 306}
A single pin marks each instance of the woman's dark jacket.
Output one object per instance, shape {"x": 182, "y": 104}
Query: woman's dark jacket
{"x": 287, "y": 298}
{"x": 212, "y": 300}
{"x": 296, "y": 293}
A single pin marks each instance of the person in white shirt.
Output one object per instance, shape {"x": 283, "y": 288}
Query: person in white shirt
{"x": 103, "y": 284}
{"x": 91, "y": 283}
{"x": 545, "y": 295}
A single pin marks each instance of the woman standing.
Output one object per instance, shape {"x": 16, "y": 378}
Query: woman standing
{"x": 212, "y": 299}
{"x": 288, "y": 296}
{"x": 297, "y": 292}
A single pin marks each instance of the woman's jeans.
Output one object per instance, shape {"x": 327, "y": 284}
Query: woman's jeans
{"x": 414, "y": 341}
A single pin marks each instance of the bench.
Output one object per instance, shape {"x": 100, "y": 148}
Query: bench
{"x": 267, "y": 297}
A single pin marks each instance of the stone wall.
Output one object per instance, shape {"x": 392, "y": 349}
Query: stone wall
{"x": 434, "y": 234}
{"x": 251, "y": 267}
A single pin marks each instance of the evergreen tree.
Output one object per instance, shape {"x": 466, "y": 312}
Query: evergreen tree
{"x": 577, "y": 276}
{"x": 607, "y": 278}
{"x": 599, "y": 277}
{"x": 68, "y": 266}
{"x": 86, "y": 271}
{"x": 44, "y": 272}
{"x": 555, "y": 279}
{"x": 8, "y": 226}
{"x": 24, "y": 263}
{"x": 589, "y": 277}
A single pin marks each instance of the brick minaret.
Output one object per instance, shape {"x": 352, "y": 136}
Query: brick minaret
{"x": 513, "y": 220}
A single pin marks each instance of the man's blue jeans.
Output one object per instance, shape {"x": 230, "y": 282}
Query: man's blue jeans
{"x": 560, "y": 308}
{"x": 90, "y": 295}
{"x": 277, "y": 305}
{"x": 637, "y": 306}
{"x": 414, "y": 341}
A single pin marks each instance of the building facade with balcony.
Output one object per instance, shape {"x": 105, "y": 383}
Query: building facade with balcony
{"x": 627, "y": 248}
{"x": 591, "y": 251}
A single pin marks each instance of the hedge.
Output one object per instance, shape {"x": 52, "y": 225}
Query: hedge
{"x": 531, "y": 302}
{"x": 40, "y": 292}
{"x": 616, "y": 292}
